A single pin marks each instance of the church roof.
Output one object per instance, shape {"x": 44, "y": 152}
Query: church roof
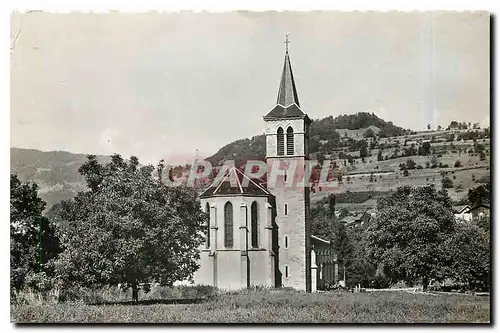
{"x": 235, "y": 183}
{"x": 287, "y": 104}
{"x": 287, "y": 93}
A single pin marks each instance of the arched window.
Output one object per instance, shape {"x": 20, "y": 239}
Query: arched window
{"x": 281, "y": 142}
{"x": 228, "y": 225}
{"x": 255, "y": 224}
{"x": 289, "y": 141}
{"x": 207, "y": 210}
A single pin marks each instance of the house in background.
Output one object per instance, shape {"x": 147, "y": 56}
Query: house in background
{"x": 462, "y": 213}
{"x": 480, "y": 212}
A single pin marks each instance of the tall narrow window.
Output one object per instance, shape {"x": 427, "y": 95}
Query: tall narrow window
{"x": 207, "y": 210}
{"x": 286, "y": 242}
{"x": 228, "y": 225}
{"x": 286, "y": 209}
{"x": 286, "y": 271}
{"x": 281, "y": 142}
{"x": 255, "y": 224}
{"x": 289, "y": 141}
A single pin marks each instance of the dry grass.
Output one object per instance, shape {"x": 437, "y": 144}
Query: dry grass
{"x": 272, "y": 306}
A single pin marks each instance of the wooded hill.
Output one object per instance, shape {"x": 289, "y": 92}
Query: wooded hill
{"x": 324, "y": 137}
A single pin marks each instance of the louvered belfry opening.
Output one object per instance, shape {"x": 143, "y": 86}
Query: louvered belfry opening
{"x": 228, "y": 225}
{"x": 289, "y": 141}
{"x": 281, "y": 142}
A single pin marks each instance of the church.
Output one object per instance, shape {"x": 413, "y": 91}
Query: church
{"x": 259, "y": 234}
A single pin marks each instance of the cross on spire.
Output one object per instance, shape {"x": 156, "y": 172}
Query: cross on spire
{"x": 286, "y": 42}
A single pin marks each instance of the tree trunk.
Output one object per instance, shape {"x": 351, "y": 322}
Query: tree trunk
{"x": 135, "y": 292}
{"x": 425, "y": 283}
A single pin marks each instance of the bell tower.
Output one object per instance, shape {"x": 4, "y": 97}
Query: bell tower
{"x": 287, "y": 149}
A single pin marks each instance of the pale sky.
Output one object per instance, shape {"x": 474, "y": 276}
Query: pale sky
{"x": 163, "y": 85}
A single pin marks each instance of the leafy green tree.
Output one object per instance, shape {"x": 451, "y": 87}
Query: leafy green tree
{"x": 363, "y": 151}
{"x": 408, "y": 235}
{"x": 411, "y": 164}
{"x": 379, "y": 156}
{"x": 342, "y": 246}
{"x": 31, "y": 239}
{"x": 446, "y": 182}
{"x": 369, "y": 133}
{"x": 424, "y": 149}
{"x": 129, "y": 228}
{"x": 479, "y": 195}
{"x": 470, "y": 249}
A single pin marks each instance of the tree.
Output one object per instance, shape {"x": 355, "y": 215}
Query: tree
{"x": 129, "y": 228}
{"x": 469, "y": 248}
{"x": 32, "y": 243}
{"x": 408, "y": 236}
{"x": 482, "y": 156}
{"x": 429, "y": 127}
{"x": 379, "y": 156}
{"x": 439, "y": 127}
{"x": 369, "y": 133}
{"x": 446, "y": 182}
{"x": 411, "y": 164}
{"x": 479, "y": 195}
{"x": 458, "y": 164}
{"x": 424, "y": 149}
{"x": 342, "y": 246}
{"x": 406, "y": 173}
{"x": 363, "y": 151}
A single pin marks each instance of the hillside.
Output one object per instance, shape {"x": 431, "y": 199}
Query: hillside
{"x": 55, "y": 172}
{"x": 326, "y": 135}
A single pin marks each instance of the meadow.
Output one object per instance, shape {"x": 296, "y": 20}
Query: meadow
{"x": 257, "y": 306}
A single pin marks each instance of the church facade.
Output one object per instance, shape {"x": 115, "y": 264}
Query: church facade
{"x": 259, "y": 234}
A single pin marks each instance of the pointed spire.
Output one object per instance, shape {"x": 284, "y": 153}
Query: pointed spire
{"x": 287, "y": 94}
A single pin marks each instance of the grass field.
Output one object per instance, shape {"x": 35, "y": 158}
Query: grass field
{"x": 272, "y": 306}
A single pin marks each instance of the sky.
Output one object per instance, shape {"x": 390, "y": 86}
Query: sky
{"x": 164, "y": 85}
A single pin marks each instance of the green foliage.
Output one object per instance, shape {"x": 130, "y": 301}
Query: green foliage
{"x": 56, "y": 172}
{"x": 129, "y": 228}
{"x": 32, "y": 243}
{"x": 274, "y": 306}
{"x": 470, "y": 249}
{"x": 411, "y": 164}
{"x": 379, "y": 156}
{"x": 480, "y": 195}
{"x": 323, "y": 130}
{"x": 409, "y": 232}
{"x": 446, "y": 182}
{"x": 363, "y": 150}
{"x": 369, "y": 133}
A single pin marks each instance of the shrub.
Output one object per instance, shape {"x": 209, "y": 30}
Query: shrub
{"x": 447, "y": 182}
{"x": 380, "y": 281}
{"x": 458, "y": 164}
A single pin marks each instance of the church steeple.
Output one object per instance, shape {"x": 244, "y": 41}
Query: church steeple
{"x": 287, "y": 104}
{"x": 287, "y": 93}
